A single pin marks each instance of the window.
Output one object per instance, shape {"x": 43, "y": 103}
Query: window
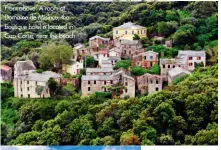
{"x": 190, "y": 58}
{"x": 116, "y": 31}
{"x": 28, "y": 88}
{"x": 163, "y": 66}
{"x": 141, "y": 32}
{"x": 89, "y": 88}
{"x": 104, "y": 55}
{"x": 125, "y": 90}
{"x": 89, "y": 82}
{"x": 145, "y": 57}
{"x": 126, "y": 32}
{"x": 105, "y": 90}
{"x": 179, "y": 65}
{"x": 157, "y": 89}
{"x": 104, "y": 73}
{"x": 144, "y": 31}
{"x": 190, "y": 64}
{"x": 111, "y": 81}
{"x": 21, "y": 95}
{"x": 173, "y": 66}
{"x": 151, "y": 57}
{"x": 21, "y": 82}
{"x": 28, "y": 95}
{"x": 156, "y": 81}
{"x": 151, "y": 81}
{"x": 137, "y": 32}
{"x": 199, "y": 58}
{"x": 132, "y": 32}
{"x": 129, "y": 52}
{"x": 126, "y": 83}
{"x": 94, "y": 82}
{"x": 27, "y": 82}
{"x": 36, "y": 83}
{"x": 43, "y": 96}
{"x": 21, "y": 89}
{"x": 168, "y": 66}
{"x": 105, "y": 82}
{"x": 47, "y": 90}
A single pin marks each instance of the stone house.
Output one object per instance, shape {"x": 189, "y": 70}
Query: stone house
{"x": 149, "y": 83}
{"x": 103, "y": 83}
{"x": 168, "y": 44}
{"x": 96, "y": 42}
{"x": 185, "y": 59}
{"x": 167, "y": 64}
{"x": 155, "y": 83}
{"x": 145, "y": 59}
{"x": 191, "y": 57}
{"x": 30, "y": 84}
{"x": 127, "y": 31}
{"x": 73, "y": 67}
{"x": 80, "y": 49}
{"x": 99, "y": 71}
{"x": 6, "y": 73}
{"x": 115, "y": 52}
{"x": 142, "y": 83}
{"x": 129, "y": 48}
{"x": 175, "y": 73}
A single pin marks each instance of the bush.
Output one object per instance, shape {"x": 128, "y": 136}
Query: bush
{"x": 155, "y": 69}
{"x": 39, "y": 70}
{"x": 103, "y": 94}
{"x": 178, "y": 80}
{"x": 66, "y": 75}
{"x": 138, "y": 71}
{"x": 123, "y": 64}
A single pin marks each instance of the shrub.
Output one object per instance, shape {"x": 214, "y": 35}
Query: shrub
{"x": 103, "y": 94}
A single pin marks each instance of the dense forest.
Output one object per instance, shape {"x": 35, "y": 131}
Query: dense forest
{"x": 183, "y": 113}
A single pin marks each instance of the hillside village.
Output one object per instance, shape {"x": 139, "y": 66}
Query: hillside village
{"x": 28, "y": 83}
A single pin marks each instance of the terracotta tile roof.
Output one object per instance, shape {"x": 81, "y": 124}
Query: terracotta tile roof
{"x": 5, "y": 67}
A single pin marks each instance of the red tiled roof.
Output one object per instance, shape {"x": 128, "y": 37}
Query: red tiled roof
{"x": 6, "y": 68}
{"x": 103, "y": 51}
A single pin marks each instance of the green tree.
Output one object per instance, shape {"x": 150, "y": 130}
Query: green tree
{"x": 123, "y": 64}
{"x": 138, "y": 71}
{"x": 55, "y": 54}
{"x": 136, "y": 37}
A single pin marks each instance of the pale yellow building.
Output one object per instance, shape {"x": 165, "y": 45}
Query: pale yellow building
{"x": 127, "y": 31}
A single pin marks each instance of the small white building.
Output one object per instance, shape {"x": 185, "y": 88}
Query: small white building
{"x": 73, "y": 67}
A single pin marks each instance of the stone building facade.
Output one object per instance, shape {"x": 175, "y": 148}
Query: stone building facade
{"x": 129, "y": 48}
{"x": 185, "y": 59}
{"x": 155, "y": 83}
{"x": 145, "y": 59}
{"x": 102, "y": 83}
{"x": 6, "y": 73}
{"x": 30, "y": 84}
{"x": 149, "y": 83}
